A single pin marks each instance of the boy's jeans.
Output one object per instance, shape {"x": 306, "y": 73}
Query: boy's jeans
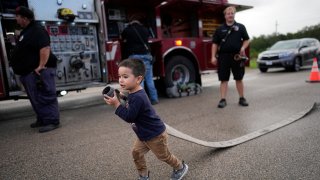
{"x": 147, "y": 60}
{"x": 159, "y": 147}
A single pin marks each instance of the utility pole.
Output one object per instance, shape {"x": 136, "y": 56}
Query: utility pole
{"x": 276, "y": 27}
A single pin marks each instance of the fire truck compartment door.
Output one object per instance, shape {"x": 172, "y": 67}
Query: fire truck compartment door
{"x": 83, "y": 9}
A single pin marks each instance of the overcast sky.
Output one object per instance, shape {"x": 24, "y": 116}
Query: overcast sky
{"x": 290, "y": 15}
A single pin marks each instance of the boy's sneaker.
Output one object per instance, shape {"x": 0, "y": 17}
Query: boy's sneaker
{"x": 243, "y": 102}
{"x": 144, "y": 177}
{"x": 178, "y": 174}
{"x": 222, "y": 103}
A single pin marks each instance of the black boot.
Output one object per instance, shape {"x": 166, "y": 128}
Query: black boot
{"x": 222, "y": 103}
{"x": 243, "y": 102}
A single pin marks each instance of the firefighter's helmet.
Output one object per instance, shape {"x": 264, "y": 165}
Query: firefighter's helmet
{"x": 66, "y": 14}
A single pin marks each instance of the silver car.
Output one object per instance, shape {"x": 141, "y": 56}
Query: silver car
{"x": 290, "y": 54}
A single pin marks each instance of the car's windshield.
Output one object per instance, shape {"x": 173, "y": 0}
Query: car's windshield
{"x": 292, "y": 44}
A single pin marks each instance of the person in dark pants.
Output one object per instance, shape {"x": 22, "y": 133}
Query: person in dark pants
{"x": 135, "y": 39}
{"x": 230, "y": 39}
{"x": 36, "y": 65}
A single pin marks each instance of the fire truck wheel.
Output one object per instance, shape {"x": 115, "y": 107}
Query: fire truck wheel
{"x": 179, "y": 70}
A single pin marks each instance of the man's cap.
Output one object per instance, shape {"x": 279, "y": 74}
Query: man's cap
{"x": 25, "y": 12}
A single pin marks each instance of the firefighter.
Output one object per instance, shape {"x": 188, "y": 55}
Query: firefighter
{"x": 36, "y": 65}
{"x": 228, "y": 44}
{"x": 135, "y": 39}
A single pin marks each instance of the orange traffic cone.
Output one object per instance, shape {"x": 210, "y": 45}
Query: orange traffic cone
{"x": 315, "y": 74}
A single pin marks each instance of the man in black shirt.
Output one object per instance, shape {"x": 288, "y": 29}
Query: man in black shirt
{"x": 135, "y": 40}
{"x": 230, "y": 39}
{"x": 33, "y": 61}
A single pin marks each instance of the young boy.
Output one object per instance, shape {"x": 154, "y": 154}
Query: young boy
{"x": 147, "y": 125}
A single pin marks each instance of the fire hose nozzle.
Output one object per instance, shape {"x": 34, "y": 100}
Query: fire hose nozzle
{"x": 238, "y": 57}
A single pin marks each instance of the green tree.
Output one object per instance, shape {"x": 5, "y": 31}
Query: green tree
{"x": 261, "y": 43}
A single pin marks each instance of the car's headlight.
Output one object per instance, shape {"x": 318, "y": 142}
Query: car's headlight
{"x": 285, "y": 54}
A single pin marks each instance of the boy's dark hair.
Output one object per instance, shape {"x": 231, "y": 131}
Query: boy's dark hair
{"x": 136, "y": 65}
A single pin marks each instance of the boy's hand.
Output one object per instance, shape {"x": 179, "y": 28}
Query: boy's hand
{"x": 113, "y": 101}
{"x": 123, "y": 95}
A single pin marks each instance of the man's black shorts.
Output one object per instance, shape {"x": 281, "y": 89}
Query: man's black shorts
{"x": 226, "y": 63}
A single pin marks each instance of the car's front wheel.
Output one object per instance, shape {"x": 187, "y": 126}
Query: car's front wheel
{"x": 296, "y": 64}
{"x": 263, "y": 69}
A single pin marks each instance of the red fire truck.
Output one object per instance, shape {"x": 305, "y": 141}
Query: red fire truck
{"x": 89, "y": 47}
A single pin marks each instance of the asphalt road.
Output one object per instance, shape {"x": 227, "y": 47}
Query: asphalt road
{"x": 93, "y": 143}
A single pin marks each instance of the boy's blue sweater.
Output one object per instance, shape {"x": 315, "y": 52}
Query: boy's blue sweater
{"x": 143, "y": 118}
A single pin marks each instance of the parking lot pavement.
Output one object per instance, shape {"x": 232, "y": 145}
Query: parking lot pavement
{"x": 94, "y": 143}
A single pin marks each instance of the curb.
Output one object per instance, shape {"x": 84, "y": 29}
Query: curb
{"x": 11, "y": 109}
